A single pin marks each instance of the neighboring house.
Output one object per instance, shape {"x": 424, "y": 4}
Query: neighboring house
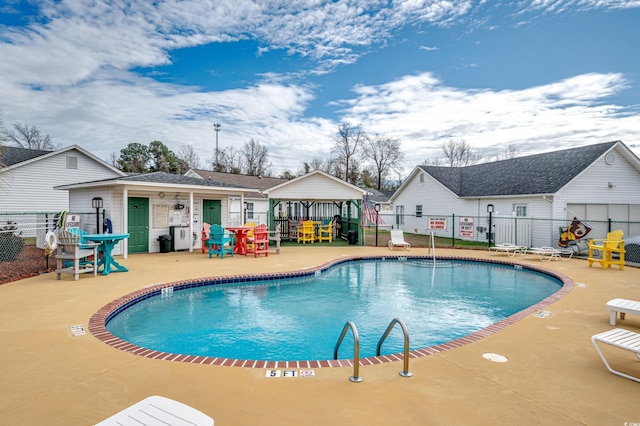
{"x": 28, "y": 176}
{"x": 150, "y": 205}
{"x": 256, "y": 205}
{"x": 594, "y": 183}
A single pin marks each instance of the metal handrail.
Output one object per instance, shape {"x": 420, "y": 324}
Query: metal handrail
{"x": 356, "y": 350}
{"x": 405, "y": 370}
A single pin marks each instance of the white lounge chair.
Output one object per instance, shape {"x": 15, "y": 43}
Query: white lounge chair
{"x": 624, "y": 306}
{"x": 507, "y": 248}
{"x": 158, "y": 410}
{"x": 619, "y": 338}
{"x": 397, "y": 239}
{"x": 550, "y": 253}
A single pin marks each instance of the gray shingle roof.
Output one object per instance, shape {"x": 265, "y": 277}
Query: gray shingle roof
{"x": 163, "y": 177}
{"x": 534, "y": 174}
{"x": 168, "y": 178}
{"x": 10, "y": 155}
{"x": 238, "y": 180}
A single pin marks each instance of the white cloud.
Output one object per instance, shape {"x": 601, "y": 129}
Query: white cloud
{"x": 69, "y": 73}
{"x": 557, "y": 6}
{"x": 423, "y": 113}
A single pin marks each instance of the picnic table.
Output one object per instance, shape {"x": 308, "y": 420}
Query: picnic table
{"x": 105, "y": 249}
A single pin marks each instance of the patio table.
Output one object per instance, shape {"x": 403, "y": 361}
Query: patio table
{"x": 107, "y": 243}
{"x": 240, "y": 232}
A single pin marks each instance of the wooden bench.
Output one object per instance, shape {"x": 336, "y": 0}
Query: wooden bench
{"x": 619, "y": 338}
{"x": 624, "y": 306}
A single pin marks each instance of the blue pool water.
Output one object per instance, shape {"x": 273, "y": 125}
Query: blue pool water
{"x": 302, "y": 318}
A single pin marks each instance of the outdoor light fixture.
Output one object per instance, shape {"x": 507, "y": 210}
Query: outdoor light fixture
{"x": 96, "y": 203}
{"x": 490, "y": 211}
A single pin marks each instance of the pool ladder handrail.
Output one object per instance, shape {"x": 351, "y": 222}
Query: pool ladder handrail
{"x": 356, "y": 347}
{"x": 405, "y": 369}
{"x": 356, "y": 350}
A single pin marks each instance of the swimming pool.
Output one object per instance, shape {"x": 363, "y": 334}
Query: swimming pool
{"x": 275, "y": 318}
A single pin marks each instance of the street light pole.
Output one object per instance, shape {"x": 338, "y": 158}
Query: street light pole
{"x": 490, "y": 211}
{"x": 216, "y": 128}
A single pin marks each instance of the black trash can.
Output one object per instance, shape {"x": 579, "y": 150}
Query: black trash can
{"x": 352, "y": 236}
{"x": 165, "y": 243}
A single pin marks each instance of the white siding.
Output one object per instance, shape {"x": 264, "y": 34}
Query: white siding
{"x": 113, "y": 205}
{"x": 29, "y": 187}
{"x": 436, "y": 200}
{"x": 591, "y": 186}
{"x": 316, "y": 187}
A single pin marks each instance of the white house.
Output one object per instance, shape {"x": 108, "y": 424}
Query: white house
{"x": 28, "y": 177}
{"x": 149, "y": 205}
{"x": 532, "y": 197}
{"x": 256, "y": 204}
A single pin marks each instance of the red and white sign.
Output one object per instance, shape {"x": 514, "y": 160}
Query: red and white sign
{"x": 466, "y": 227}
{"x": 437, "y": 222}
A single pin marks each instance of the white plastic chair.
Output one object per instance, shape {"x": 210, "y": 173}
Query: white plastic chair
{"x": 397, "y": 239}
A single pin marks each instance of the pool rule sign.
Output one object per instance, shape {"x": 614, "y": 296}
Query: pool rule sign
{"x": 466, "y": 227}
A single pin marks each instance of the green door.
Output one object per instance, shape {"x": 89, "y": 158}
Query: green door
{"x": 212, "y": 212}
{"x": 138, "y": 215}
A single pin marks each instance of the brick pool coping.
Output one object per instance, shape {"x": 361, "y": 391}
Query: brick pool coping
{"x": 97, "y": 323}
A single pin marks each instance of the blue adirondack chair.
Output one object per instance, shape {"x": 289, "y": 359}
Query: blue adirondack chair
{"x": 220, "y": 241}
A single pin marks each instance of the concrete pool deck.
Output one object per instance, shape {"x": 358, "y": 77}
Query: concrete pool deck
{"x": 553, "y": 375}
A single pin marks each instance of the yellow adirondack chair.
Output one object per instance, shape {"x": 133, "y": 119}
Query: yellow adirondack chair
{"x": 306, "y": 232}
{"x": 610, "y": 245}
{"x": 325, "y": 232}
{"x": 250, "y": 234}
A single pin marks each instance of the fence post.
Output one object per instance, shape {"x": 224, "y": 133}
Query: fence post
{"x": 609, "y": 220}
{"x": 453, "y": 230}
{"x": 515, "y": 230}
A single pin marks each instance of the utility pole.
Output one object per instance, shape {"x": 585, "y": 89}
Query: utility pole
{"x": 216, "y": 128}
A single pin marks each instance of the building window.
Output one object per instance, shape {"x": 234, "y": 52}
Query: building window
{"x": 520, "y": 209}
{"x": 418, "y": 211}
{"x": 249, "y": 210}
{"x": 421, "y": 177}
{"x": 399, "y": 215}
{"x": 72, "y": 162}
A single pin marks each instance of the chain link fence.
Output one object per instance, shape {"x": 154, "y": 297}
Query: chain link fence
{"x": 22, "y": 241}
{"x": 23, "y": 254}
{"x": 453, "y": 230}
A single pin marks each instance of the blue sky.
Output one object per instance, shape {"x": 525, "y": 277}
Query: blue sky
{"x": 536, "y": 74}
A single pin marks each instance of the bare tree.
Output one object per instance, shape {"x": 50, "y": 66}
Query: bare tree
{"x": 317, "y": 163}
{"x": 113, "y": 160}
{"x": 287, "y": 174}
{"x": 256, "y": 159}
{"x": 511, "y": 151}
{"x": 188, "y": 154}
{"x": 385, "y": 154}
{"x": 432, "y": 162}
{"x": 29, "y": 137}
{"x": 347, "y": 150}
{"x": 458, "y": 153}
{"x": 229, "y": 161}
